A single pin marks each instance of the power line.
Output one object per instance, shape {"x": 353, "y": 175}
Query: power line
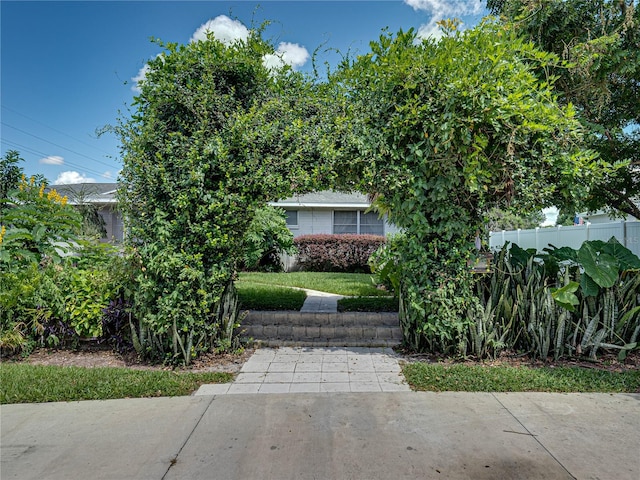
{"x": 56, "y": 145}
{"x": 55, "y": 129}
{"x": 27, "y": 149}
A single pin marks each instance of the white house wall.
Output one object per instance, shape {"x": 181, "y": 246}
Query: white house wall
{"x": 315, "y": 221}
{"x": 113, "y": 224}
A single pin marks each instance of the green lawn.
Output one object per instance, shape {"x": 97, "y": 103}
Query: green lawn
{"x": 23, "y": 383}
{"x": 473, "y": 378}
{"x": 347, "y": 284}
{"x": 256, "y": 296}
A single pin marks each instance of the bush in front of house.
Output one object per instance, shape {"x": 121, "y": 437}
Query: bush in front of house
{"x": 336, "y": 253}
{"x": 266, "y": 239}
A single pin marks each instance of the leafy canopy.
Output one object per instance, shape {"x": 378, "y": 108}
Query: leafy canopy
{"x": 450, "y": 129}
{"x": 600, "y": 41}
{"x": 215, "y": 135}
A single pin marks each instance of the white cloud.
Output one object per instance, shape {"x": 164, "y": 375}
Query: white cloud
{"x": 142, "y": 74}
{"x": 108, "y": 175}
{"x": 447, "y": 7}
{"x": 441, "y": 9}
{"x": 71, "y": 177}
{"x": 52, "y": 160}
{"x": 223, "y": 28}
{"x": 287, "y": 54}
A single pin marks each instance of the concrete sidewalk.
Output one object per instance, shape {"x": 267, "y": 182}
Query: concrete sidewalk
{"x": 401, "y": 435}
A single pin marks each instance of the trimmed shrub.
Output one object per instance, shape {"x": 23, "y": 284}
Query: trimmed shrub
{"x": 336, "y": 253}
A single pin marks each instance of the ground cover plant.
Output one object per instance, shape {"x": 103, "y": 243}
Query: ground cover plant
{"x": 22, "y": 383}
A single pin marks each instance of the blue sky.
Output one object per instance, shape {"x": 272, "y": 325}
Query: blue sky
{"x": 67, "y": 68}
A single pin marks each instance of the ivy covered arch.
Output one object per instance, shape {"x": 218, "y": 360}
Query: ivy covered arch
{"x": 214, "y": 135}
{"x": 439, "y": 130}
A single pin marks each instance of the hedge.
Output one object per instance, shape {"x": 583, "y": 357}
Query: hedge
{"x": 336, "y": 253}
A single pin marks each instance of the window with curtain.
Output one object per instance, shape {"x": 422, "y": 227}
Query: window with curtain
{"x": 355, "y": 221}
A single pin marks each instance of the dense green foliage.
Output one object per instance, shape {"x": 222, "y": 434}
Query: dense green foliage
{"x": 368, "y": 304}
{"x": 10, "y": 175}
{"x": 266, "y": 239}
{"x": 499, "y": 219}
{"x": 562, "y": 303}
{"x": 600, "y": 40}
{"x": 450, "y": 129}
{"x": 465, "y": 378}
{"x": 54, "y": 283}
{"x": 215, "y": 135}
{"x": 23, "y": 383}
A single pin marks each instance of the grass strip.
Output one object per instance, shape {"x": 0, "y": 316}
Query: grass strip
{"x": 23, "y": 383}
{"x": 253, "y": 296}
{"x": 348, "y": 284}
{"x": 475, "y": 378}
{"x": 368, "y": 304}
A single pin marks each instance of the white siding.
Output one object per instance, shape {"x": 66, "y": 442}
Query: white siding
{"x": 316, "y": 221}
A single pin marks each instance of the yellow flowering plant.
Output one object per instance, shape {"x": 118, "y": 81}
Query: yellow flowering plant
{"x": 36, "y": 223}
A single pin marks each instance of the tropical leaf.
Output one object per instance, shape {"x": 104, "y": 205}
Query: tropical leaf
{"x": 520, "y": 256}
{"x": 627, "y": 260}
{"x": 566, "y": 297}
{"x": 588, "y": 286}
{"x": 601, "y": 267}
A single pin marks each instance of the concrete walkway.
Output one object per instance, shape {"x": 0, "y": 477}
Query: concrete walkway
{"x": 332, "y": 436}
{"x": 315, "y": 370}
{"x": 320, "y": 302}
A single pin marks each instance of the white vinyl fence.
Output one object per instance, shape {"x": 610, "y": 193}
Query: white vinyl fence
{"x": 627, "y": 233}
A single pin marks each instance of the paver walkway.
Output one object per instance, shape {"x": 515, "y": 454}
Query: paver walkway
{"x": 320, "y": 302}
{"x": 315, "y": 370}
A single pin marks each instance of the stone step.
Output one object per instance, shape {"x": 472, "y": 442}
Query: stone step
{"x": 329, "y": 343}
{"x": 351, "y": 329}
{"x": 345, "y": 319}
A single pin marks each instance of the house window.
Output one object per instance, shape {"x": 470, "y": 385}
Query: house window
{"x": 345, "y": 222}
{"x": 292, "y": 218}
{"x": 356, "y": 221}
{"x": 371, "y": 223}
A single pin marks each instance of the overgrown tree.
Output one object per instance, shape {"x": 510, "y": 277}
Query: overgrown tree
{"x": 214, "y": 136}
{"x": 600, "y": 41}
{"x": 450, "y": 129}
